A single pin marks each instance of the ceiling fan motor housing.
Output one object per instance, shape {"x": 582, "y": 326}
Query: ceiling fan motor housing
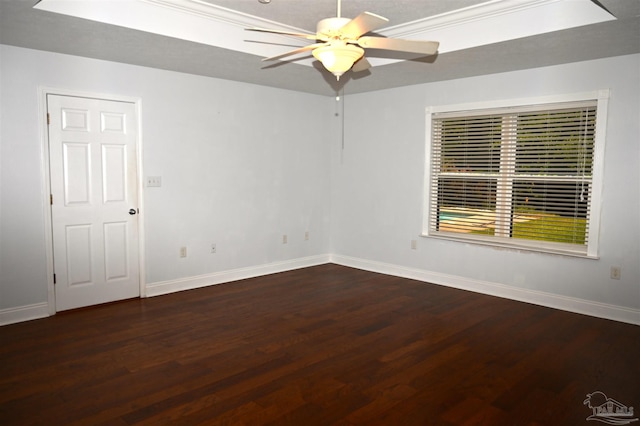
{"x": 330, "y": 26}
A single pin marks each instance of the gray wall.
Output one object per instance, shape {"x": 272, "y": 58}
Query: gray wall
{"x": 378, "y": 187}
{"x": 243, "y": 164}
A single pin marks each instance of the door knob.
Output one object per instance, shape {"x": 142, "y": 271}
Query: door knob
{"x": 132, "y": 211}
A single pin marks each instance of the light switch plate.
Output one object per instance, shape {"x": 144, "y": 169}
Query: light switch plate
{"x": 155, "y": 181}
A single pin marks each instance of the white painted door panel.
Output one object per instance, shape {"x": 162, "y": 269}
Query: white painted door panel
{"x": 92, "y": 152}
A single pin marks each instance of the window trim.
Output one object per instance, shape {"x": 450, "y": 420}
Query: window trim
{"x": 591, "y": 250}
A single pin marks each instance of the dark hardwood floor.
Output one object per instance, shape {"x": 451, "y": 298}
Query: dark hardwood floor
{"x": 317, "y": 346}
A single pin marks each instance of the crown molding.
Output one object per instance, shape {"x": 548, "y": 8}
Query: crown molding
{"x": 201, "y": 22}
{"x": 222, "y": 14}
{"x": 499, "y": 20}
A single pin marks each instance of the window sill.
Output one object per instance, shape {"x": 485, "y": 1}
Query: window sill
{"x": 516, "y": 245}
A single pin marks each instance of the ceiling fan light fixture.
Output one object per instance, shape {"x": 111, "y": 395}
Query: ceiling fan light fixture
{"x": 338, "y": 59}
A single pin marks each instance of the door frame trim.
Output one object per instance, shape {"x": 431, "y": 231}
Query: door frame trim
{"x": 44, "y": 91}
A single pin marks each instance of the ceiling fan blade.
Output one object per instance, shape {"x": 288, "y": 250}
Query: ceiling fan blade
{"x": 362, "y": 24}
{"x": 412, "y": 46}
{"x": 266, "y": 30}
{"x": 294, "y": 52}
{"x": 361, "y": 65}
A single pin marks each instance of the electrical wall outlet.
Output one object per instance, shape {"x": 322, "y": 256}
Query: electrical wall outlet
{"x": 615, "y": 272}
{"x": 306, "y": 235}
{"x": 284, "y": 239}
{"x": 183, "y": 252}
{"x": 213, "y": 248}
{"x": 414, "y": 245}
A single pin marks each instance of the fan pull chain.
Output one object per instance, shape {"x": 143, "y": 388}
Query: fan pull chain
{"x": 341, "y": 98}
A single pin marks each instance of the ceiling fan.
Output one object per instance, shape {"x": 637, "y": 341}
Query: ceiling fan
{"x": 340, "y": 42}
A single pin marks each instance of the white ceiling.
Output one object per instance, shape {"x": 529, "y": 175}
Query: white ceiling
{"x": 22, "y": 25}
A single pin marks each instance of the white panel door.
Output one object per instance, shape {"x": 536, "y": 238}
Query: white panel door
{"x": 92, "y": 153}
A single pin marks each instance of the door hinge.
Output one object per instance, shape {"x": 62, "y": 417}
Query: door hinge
{"x": 48, "y": 118}
{"x": 51, "y": 199}
{"x": 54, "y": 278}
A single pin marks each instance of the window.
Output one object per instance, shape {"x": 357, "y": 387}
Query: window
{"x": 521, "y": 176}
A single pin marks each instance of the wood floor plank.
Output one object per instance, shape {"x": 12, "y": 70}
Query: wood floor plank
{"x": 325, "y": 345}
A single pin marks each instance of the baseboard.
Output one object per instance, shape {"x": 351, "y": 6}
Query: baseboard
{"x": 23, "y": 313}
{"x": 571, "y": 304}
{"x": 581, "y": 306}
{"x": 171, "y": 286}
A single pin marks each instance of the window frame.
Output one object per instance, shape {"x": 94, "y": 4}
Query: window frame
{"x": 590, "y": 250}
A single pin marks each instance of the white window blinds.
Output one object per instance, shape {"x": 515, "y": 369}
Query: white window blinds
{"x": 513, "y": 173}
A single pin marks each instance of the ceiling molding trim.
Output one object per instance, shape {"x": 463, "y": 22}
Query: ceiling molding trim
{"x": 189, "y": 20}
{"x": 201, "y": 22}
{"x": 474, "y": 13}
{"x": 223, "y": 14}
{"x": 499, "y": 20}
{"x": 496, "y": 21}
